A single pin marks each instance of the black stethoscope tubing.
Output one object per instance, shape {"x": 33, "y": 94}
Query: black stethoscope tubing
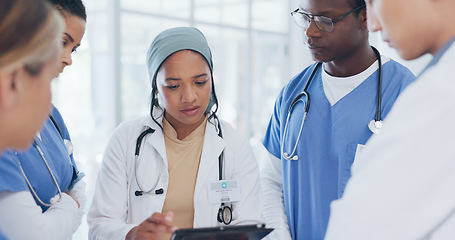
{"x": 374, "y": 125}
{"x": 379, "y": 94}
{"x": 224, "y": 214}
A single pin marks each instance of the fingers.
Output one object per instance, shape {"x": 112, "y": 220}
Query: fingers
{"x": 161, "y": 222}
{"x": 71, "y": 195}
{"x": 78, "y": 193}
{"x": 161, "y": 218}
{"x": 154, "y": 226}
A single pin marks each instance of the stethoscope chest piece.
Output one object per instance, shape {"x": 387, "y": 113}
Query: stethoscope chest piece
{"x": 224, "y": 214}
{"x": 375, "y": 126}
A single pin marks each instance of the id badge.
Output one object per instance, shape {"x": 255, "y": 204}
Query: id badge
{"x": 224, "y": 191}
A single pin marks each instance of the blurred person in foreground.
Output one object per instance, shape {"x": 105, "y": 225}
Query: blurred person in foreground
{"x": 403, "y": 184}
{"x": 40, "y": 189}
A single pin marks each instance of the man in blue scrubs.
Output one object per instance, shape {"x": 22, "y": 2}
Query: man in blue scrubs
{"x": 344, "y": 98}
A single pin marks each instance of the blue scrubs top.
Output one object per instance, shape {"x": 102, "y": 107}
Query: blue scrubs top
{"x": 60, "y": 162}
{"x": 328, "y": 142}
{"x": 2, "y": 237}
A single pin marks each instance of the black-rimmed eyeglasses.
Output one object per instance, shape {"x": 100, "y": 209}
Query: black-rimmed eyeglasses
{"x": 324, "y": 23}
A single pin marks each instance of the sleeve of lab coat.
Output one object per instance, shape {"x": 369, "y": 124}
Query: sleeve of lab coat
{"x": 21, "y": 218}
{"x": 272, "y": 192}
{"x": 249, "y": 209}
{"x": 107, "y": 215}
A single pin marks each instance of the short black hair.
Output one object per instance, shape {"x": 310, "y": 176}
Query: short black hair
{"x": 74, "y": 7}
{"x": 357, "y": 3}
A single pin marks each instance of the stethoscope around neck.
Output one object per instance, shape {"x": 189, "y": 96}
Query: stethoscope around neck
{"x": 69, "y": 148}
{"x": 374, "y": 125}
{"x": 224, "y": 214}
{"x": 35, "y": 144}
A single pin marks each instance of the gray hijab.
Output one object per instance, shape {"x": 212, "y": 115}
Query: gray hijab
{"x": 173, "y": 40}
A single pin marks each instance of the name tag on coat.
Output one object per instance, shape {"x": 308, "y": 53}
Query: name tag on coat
{"x": 224, "y": 191}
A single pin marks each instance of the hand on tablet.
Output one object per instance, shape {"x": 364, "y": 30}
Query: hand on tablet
{"x": 153, "y": 227}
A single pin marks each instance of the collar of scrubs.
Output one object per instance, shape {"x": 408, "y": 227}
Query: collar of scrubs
{"x": 438, "y": 55}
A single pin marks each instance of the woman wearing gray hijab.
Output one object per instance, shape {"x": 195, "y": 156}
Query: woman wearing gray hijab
{"x": 179, "y": 166}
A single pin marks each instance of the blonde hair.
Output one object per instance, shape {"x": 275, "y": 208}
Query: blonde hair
{"x": 30, "y": 32}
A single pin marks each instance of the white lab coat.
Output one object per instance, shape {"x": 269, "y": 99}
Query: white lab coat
{"x": 116, "y": 209}
{"x": 403, "y": 184}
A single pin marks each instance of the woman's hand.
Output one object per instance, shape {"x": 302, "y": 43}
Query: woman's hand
{"x": 78, "y": 194}
{"x": 153, "y": 227}
{"x": 74, "y": 198}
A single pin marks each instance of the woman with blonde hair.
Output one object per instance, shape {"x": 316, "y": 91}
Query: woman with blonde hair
{"x": 37, "y": 186}
{"x": 29, "y": 49}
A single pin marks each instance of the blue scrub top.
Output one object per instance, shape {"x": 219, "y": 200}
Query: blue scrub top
{"x": 60, "y": 162}
{"x": 328, "y": 142}
{"x": 2, "y": 237}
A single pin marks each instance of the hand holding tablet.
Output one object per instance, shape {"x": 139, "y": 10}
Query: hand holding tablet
{"x": 153, "y": 227}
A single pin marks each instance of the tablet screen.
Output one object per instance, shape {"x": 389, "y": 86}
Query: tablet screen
{"x": 242, "y": 232}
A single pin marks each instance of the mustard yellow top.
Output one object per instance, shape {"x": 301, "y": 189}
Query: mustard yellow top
{"x": 183, "y": 158}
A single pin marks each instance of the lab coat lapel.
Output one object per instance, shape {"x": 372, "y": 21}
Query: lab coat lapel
{"x": 208, "y": 166}
{"x": 156, "y": 140}
{"x": 151, "y": 164}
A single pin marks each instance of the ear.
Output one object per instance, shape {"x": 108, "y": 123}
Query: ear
{"x": 363, "y": 21}
{"x": 9, "y": 89}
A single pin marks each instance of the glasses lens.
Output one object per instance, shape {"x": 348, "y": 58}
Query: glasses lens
{"x": 324, "y": 23}
{"x": 301, "y": 19}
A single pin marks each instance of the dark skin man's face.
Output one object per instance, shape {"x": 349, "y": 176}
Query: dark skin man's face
{"x": 346, "y": 37}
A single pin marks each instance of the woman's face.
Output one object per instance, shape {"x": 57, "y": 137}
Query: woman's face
{"x": 183, "y": 86}
{"x": 74, "y": 31}
{"x": 33, "y": 101}
{"x": 403, "y": 25}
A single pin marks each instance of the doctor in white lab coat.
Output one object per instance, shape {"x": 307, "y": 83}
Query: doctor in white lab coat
{"x": 121, "y": 207}
{"x": 403, "y": 184}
